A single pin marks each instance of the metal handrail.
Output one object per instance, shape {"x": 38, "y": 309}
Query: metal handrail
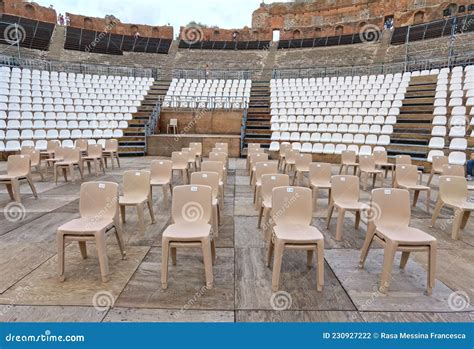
{"x": 150, "y": 126}
{"x": 81, "y": 68}
{"x": 243, "y": 131}
{"x": 212, "y": 74}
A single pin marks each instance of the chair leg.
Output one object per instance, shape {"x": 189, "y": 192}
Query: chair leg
{"x": 16, "y": 190}
{"x": 266, "y": 223}
{"x": 277, "y": 259}
{"x": 119, "y": 236}
{"x": 388, "y": 257}
{"x": 61, "y": 248}
{"x": 270, "y": 251}
{"x": 340, "y": 223}
{"x": 73, "y": 177}
{"x": 432, "y": 252}
{"x": 83, "y": 248}
{"x": 32, "y": 186}
{"x": 165, "y": 250}
{"x": 260, "y": 215}
{"x": 330, "y": 212}
{"x": 215, "y": 221}
{"x": 320, "y": 256}
{"x": 150, "y": 209}
{"x": 141, "y": 216}
{"x": 357, "y": 220}
{"x": 207, "y": 256}
{"x": 369, "y": 238}
{"x": 122, "y": 212}
{"x": 404, "y": 259}
{"x": 309, "y": 258}
{"x": 465, "y": 218}
{"x": 415, "y": 197}
{"x": 374, "y": 180}
{"x": 101, "y": 244}
{"x": 439, "y": 205}
{"x": 174, "y": 255}
{"x": 428, "y": 200}
{"x": 458, "y": 216}
{"x": 10, "y": 190}
{"x": 430, "y": 178}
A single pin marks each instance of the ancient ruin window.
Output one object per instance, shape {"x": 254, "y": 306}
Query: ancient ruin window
{"x": 419, "y": 17}
{"x": 2, "y": 6}
{"x": 276, "y": 35}
{"x": 87, "y": 23}
{"x": 362, "y": 25}
{"x": 297, "y": 34}
{"x": 317, "y": 32}
{"x": 133, "y": 29}
{"x": 450, "y": 10}
{"x": 30, "y": 10}
{"x": 155, "y": 32}
{"x": 339, "y": 30}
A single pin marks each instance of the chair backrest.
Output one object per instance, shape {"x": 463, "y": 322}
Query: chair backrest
{"x": 453, "y": 170}
{"x": 291, "y": 155}
{"x": 390, "y": 207}
{"x": 53, "y": 145}
{"x": 192, "y": 151}
{"x": 380, "y": 157}
{"x": 192, "y": 204}
{"x": 453, "y": 189}
{"x": 213, "y": 166}
{"x": 161, "y": 169}
{"x": 273, "y": 180}
{"x": 180, "y": 158}
{"x": 284, "y": 147}
{"x": 345, "y": 188}
{"x": 111, "y": 145}
{"x": 82, "y": 144}
{"x": 210, "y": 179}
{"x": 72, "y": 154}
{"x": 367, "y": 162}
{"x": 253, "y": 146}
{"x": 265, "y": 167}
{"x": 255, "y": 150}
{"x": 136, "y": 183}
{"x": 292, "y": 205}
{"x": 222, "y": 145}
{"x": 320, "y": 171}
{"x": 439, "y": 162}
{"x": 173, "y": 122}
{"x": 406, "y": 174}
{"x": 33, "y": 153}
{"x": 94, "y": 150}
{"x": 99, "y": 200}
{"x": 197, "y": 146}
{"x": 403, "y": 160}
{"x": 303, "y": 160}
{"x": 348, "y": 156}
{"x": 217, "y": 156}
{"x": 18, "y": 165}
{"x": 258, "y": 157}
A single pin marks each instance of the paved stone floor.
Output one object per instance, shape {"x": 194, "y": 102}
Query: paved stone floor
{"x": 31, "y": 291}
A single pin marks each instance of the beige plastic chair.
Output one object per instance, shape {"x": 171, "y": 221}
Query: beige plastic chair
{"x": 437, "y": 167}
{"x": 254, "y": 158}
{"x": 136, "y": 192}
{"x": 452, "y": 170}
{"x": 180, "y": 163}
{"x": 405, "y": 160}
{"x": 111, "y": 151}
{"x": 18, "y": 169}
{"x": 57, "y": 156}
{"x": 251, "y": 151}
{"x": 191, "y": 157}
{"x": 367, "y": 168}
{"x": 98, "y": 207}
{"x": 72, "y": 159}
{"x": 51, "y": 147}
{"x": 191, "y": 213}
{"x": 269, "y": 181}
{"x": 284, "y": 147}
{"x": 218, "y": 167}
{"x": 454, "y": 194}
{"x": 210, "y": 179}
{"x": 302, "y": 162}
{"x": 406, "y": 177}
{"x": 320, "y": 178}
{"x": 198, "y": 147}
{"x": 160, "y": 176}
{"x": 262, "y": 168}
{"x": 381, "y": 161}
{"x": 222, "y": 145}
{"x": 222, "y": 157}
{"x": 348, "y": 159}
{"x": 345, "y": 196}
{"x": 292, "y": 213}
{"x": 290, "y": 160}
{"x": 94, "y": 155}
{"x": 390, "y": 227}
{"x": 82, "y": 145}
{"x": 35, "y": 158}
{"x": 173, "y": 124}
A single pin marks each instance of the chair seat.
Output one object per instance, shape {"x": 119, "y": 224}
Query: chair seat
{"x": 132, "y": 200}
{"x": 352, "y": 205}
{"x": 84, "y": 226}
{"x": 385, "y": 164}
{"x": 187, "y": 231}
{"x": 321, "y": 184}
{"x": 465, "y": 205}
{"x": 350, "y": 164}
{"x": 85, "y": 158}
{"x": 299, "y": 234}
{"x": 413, "y": 187}
{"x": 372, "y": 171}
{"x": 7, "y": 177}
{"x": 302, "y": 168}
{"x": 405, "y": 235}
{"x": 160, "y": 181}
{"x": 65, "y": 163}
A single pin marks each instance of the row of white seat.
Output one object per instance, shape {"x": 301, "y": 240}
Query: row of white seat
{"x": 455, "y": 157}
{"x": 455, "y": 144}
{"x": 66, "y": 109}
{"x": 35, "y": 83}
{"x": 331, "y": 138}
{"x": 77, "y": 92}
{"x": 332, "y": 128}
{"x": 60, "y": 124}
{"x": 318, "y": 106}
{"x": 342, "y": 79}
{"x": 42, "y": 144}
{"x": 12, "y": 135}
{"x": 4, "y": 70}
{"x": 454, "y": 131}
{"x": 16, "y": 115}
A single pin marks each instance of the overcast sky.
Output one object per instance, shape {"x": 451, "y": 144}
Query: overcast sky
{"x": 223, "y": 13}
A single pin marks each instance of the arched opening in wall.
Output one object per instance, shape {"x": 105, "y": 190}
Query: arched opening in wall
{"x": 297, "y": 34}
{"x": 418, "y": 17}
{"x": 450, "y": 10}
{"x": 133, "y": 30}
{"x": 276, "y": 35}
{"x": 362, "y": 25}
{"x": 235, "y": 35}
{"x": 2, "y": 6}
{"x": 30, "y": 10}
{"x": 255, "y": 35}
{"x": 339, "y": 30}
{"x": 155, "y": 32}
{"x": 87, "y": 23}
{"x": 317, "y": 32}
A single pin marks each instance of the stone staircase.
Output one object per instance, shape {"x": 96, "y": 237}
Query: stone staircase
{"x": 258, "y": 115}
{"x": 133, "y": 143}
{"x": 412, "y": 132}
